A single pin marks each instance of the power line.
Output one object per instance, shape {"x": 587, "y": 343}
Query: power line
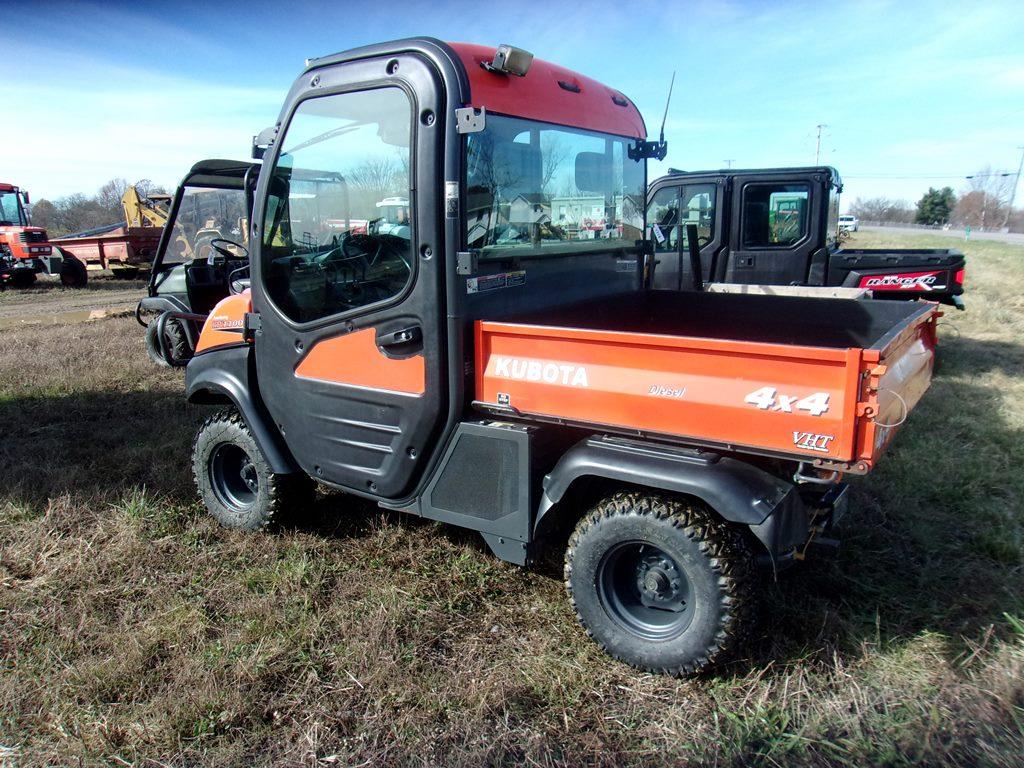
{"x": 897, "y": 176}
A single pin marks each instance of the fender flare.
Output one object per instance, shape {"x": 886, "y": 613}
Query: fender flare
{"x": 737, "y": 491}
{"x": 229, "y": 374}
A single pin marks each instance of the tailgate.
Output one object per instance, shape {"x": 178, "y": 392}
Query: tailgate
{"x": 934, "y": 274}
{"x": 897, "y": 372}
{"x": 768, "y": 398}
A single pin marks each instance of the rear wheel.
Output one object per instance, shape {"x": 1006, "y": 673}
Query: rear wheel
{"x": 235, "y": 481}
{"x": 660, "y": 583}
{"x": 73, "y": 273}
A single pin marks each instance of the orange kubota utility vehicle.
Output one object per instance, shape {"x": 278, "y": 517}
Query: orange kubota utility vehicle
{"x": 499, "y": 364}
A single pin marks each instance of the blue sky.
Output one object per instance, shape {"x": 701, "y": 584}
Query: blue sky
{"x": 914, "y": 94}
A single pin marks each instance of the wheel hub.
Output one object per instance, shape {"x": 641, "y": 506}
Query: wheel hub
{"x": 658, "y": 582}
{"x": 234, "y": 477}
{"x": 248, "y": 475}
{"x": 645, "y": 590}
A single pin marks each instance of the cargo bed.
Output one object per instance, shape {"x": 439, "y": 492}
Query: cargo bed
{"x": 820, "y": 380}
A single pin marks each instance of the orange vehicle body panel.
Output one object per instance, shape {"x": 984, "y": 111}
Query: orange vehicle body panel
{"x": 705, "y": 390}
{"x": 354, "y": 359}
{"x": 224, "y": 325}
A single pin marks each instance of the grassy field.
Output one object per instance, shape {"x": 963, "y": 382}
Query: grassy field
{"x": 133, "y": 630}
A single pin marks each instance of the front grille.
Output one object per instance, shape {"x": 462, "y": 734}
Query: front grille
{"x": 32, "y": 237}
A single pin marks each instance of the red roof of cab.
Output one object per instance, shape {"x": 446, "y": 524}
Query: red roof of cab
{"x": 7, "y": 187}
{"x": 538, "y": 96}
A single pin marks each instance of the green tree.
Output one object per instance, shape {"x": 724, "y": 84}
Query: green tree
{"x": 936, "y": 206}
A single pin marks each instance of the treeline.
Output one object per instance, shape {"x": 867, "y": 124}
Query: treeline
{"x": 78, "y": 212}
{"x": 984, "y": 203}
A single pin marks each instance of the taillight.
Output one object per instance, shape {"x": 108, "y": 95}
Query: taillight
{"x": 958, "y": 278}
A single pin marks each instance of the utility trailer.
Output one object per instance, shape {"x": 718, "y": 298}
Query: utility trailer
{"x": 122, "y": 249}
{"x": 491, "y": 366}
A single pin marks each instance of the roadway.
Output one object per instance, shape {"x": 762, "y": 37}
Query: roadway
{"x": 1016, "y": 238}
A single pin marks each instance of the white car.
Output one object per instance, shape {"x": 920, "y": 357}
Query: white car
{"x": 849, "y": 222}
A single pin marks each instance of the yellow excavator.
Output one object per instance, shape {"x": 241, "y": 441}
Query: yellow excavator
{"x": 154, "y": 211}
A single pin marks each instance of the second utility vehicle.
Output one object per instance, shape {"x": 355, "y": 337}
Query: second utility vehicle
{"x": 500, "y": 362}
{"x": 781, "y": 226}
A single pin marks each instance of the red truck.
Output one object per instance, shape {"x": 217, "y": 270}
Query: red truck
{"x": 491, "y": 367}
{"x": 25, "y": 250}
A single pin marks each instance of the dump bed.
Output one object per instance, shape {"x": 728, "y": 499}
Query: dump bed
{"x": 820, "y": 380}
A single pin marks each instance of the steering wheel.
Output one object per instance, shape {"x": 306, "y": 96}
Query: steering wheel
{"x": 220, "y": 245}
{"x": 361, "y": 246}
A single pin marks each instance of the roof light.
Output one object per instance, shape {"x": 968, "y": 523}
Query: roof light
{"x": 510, "y": 60}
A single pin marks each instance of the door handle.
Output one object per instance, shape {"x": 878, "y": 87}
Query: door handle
{"x": 403, "y": 336}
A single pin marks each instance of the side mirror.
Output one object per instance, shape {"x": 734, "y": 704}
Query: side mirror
{"x": 261, "y": 142}
{"x": 24, "y": 197}
{"x": 593, "y": 173}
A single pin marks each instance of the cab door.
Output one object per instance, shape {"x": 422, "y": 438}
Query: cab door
{"x": 670, "y": 210}
{"x": 349, "y": 350}
{"x": 772, "y": 237}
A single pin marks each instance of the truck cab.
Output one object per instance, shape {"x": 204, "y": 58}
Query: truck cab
{"x": 781, "y": 227}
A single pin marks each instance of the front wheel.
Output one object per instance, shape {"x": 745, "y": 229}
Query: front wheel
{"x": 22, "y": 278}
{"x": 175, "y": 342}
{"x": 235, "y": 481}
{"x": 660, "y": 583}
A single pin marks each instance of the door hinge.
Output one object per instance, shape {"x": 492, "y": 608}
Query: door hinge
{"x": 467, "y": 262}
{"x": 469, "y": 120}
{"x": 251, "y": 325}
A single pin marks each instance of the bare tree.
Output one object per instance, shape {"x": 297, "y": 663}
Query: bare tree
{"x": 376, "y": 178}
{"x": 983, "y": 204}
{"x": 109, "y": 197}
{"x": 883, "y": 209}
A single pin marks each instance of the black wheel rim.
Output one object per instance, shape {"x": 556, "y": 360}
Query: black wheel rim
{"x": 233, "y": 477}
{"x": 645, "y": 591}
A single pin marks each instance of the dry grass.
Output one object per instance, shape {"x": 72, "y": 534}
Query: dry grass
{"x": 134, "y": 631}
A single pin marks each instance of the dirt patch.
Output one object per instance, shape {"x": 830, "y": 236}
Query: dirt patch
{"x": 49, "y": 303}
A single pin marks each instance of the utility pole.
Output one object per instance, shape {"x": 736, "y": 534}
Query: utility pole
{"x": 1013, "y": 192}
{"x": 817, "y": 146}
{"x": 728, "y": 163}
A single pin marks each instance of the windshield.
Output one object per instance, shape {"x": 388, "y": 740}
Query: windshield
{"x": 11, "y": 213}
{"x": 206, "y": 213}
{"x": 540, "y": 189}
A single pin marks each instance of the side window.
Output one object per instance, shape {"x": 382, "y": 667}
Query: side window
{"x": 774, "y": 215}
{"x": 698, "y": 207}
{"x": 663, "y": 219}
{"x": 337, "y": 230}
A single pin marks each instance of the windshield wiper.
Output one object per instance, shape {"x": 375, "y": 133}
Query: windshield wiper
{"x": 322, "y": 137}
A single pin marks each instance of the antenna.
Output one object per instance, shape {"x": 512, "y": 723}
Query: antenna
{"x": 668, "y": 101}
{"x": 643, "y": 150}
